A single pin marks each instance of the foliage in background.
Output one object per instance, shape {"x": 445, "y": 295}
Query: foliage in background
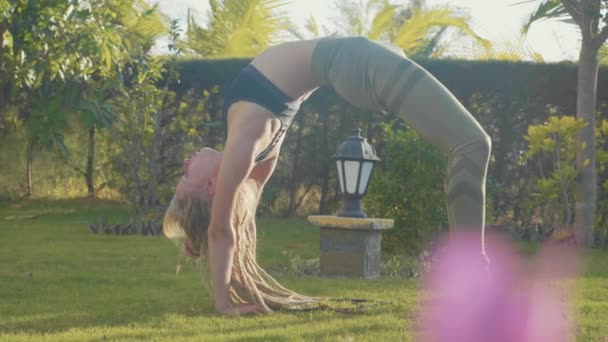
{"x": 601, "y": 222}
{"x": 552, "y": 148}
{"x": 49, "y": 49}
{"x": 64, "y": 57}
{"x": 409, "y": 188}
{"x": 603, "y": 54}
{"x": 53, "y": 179}
{"x": 417, "y": 29}
{"x": 143, "y": 24}
{"x": 590, "y": 17}
{"x": 152, "y": 129}
{"x": 237, "y": 28}
{"x": 503, "y": 49}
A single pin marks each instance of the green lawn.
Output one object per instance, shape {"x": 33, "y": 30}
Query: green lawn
{"x": 60, "y": 282}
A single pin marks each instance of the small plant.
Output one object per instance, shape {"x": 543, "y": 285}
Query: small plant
{"x": 104, "y": 226}
{"x": 552, "y": 148}
{"x": 7, "y": 195}
{"x": 296, "y": 266}
{"x": 405, "y": 267}
{"x": 304, "y": 267}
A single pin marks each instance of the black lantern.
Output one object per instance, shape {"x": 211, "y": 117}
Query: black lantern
{"x": 355, "y": 160}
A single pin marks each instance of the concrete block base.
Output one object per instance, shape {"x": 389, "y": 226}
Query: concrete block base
{"x": 351, "y": 247}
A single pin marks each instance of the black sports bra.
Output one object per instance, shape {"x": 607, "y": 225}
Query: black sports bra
{"x": 252, "y": 86}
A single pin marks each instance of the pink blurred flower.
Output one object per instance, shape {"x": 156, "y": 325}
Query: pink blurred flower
{"x": 504, "y": 300}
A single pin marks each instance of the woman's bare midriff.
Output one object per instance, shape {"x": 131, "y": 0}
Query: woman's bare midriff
{"x": 242, "y": 113}
{"x": 289, "y": 66}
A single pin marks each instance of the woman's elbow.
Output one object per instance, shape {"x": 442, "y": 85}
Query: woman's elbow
{"x": 221, "y": 235}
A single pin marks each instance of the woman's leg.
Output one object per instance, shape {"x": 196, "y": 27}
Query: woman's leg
{"x": 379, "y": 76}
{"x": 429, "y": 108}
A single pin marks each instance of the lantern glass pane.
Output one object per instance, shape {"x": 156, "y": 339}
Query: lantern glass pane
{"x": 340, "y": 173}
{"x": 351, "y": 169}
{"x": 366, "y": 171}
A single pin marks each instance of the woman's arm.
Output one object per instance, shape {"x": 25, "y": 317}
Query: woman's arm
{"x": 245, "y": 136}
{"x": 236, "y": 163}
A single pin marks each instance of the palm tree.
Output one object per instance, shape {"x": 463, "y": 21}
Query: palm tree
{"x": 418, "y": 30}
{"x": 590, "y": 17}
{"x": 237, "y": 28}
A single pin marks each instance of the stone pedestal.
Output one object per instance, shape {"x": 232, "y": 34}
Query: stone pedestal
{"x": 350, "y": 247}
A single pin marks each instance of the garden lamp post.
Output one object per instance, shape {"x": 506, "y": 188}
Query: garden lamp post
{"x": 350, "y": 241}
{"x": 355, "y": 160}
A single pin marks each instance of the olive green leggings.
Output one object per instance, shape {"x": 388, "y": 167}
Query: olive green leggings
{"x": 378, "y": 76}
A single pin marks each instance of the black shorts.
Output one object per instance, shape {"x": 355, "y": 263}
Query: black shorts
{"x": 252, "y": 86}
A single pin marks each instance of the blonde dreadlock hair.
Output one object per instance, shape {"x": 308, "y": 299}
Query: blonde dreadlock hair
{"x": 186, "y": 222}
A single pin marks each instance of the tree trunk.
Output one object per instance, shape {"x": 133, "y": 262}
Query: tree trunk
{"x": 91, "y": 163}
{"x": 4, "y": 93}
{"x": 293, "y": 181}
{"x": 586, "y": 187}
{"x": 324, "y": 192}
{"x": 30, "y": 168}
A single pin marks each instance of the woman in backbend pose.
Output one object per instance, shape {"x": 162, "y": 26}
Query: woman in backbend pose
{"x": 213, "y": 210}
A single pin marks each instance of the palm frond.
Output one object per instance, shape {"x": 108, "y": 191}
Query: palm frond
{"x": 197, "y": 37}
{"x": 312, "y": 26}
{"x": 432, "y": 46}
{"x": 505, "y": 48}
{"x": 413, "y": 33}
{"x": 383, "y": 22}
{"x": 547, "y": 10}
{"x": 238, "y": 28}
{"x": 143, "y": 22}
{"x": 352, "y": 17}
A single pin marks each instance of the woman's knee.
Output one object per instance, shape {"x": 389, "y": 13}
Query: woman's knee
{"x": 477, "y": 148}
{"x": 485, "y": 144}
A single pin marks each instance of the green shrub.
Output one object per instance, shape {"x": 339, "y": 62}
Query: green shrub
{"x": 405, "y": 267}
{"x": 408, "y": 187}
{"x": 552, "y": 149}
{"x": 295, "y": 266}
